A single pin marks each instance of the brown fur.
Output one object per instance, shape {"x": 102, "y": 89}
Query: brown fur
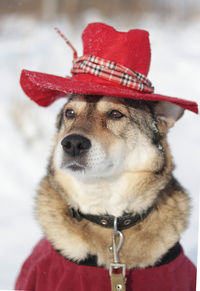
{"x": 145, "y": 243}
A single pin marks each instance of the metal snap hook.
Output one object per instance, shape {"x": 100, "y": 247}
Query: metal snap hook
{"x": 116, "y": 248}
{"x": 118, "y": 281}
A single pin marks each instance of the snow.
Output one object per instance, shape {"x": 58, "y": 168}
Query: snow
{"x": 28, "y": 130}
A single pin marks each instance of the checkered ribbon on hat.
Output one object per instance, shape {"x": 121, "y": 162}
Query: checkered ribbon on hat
{"x": 108, "y": 70}
{"x": 111, "y": 71}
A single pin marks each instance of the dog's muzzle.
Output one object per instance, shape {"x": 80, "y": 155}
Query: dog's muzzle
{"x": 75, "y": 145}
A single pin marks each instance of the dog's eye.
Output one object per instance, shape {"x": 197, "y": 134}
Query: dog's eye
{"x": 115, "y": 114}
{"x": 70, "y": 114}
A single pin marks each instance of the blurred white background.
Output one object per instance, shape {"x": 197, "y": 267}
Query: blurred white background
{"x": 28, "y": 40}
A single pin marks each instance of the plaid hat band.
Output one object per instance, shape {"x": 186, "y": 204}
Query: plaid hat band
{"x": 111, "y": 71}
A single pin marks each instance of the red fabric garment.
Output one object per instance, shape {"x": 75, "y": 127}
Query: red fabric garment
{"x": 46, "y": 270}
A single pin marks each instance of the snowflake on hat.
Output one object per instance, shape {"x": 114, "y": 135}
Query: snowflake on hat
{"x": 114, "y": 63}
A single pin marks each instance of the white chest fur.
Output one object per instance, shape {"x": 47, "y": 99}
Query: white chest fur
{"x": 113, "y": 196}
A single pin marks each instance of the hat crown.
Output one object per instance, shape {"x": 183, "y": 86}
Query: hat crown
{"x": 130, "y": 49}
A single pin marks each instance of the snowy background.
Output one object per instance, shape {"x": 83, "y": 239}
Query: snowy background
{"x": 27, "y": 130}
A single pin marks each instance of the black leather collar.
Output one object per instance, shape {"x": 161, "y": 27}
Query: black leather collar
{"x": 125, "y": 221}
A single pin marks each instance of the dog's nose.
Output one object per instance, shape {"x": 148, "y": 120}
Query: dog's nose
{"x": 75, "y": 144}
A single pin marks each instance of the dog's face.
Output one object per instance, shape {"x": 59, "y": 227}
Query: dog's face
{"x": 101, "y": 137}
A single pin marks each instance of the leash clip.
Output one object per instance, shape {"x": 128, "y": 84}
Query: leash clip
{"x": 116, "y": 248}
{"x": 118, "y": 280}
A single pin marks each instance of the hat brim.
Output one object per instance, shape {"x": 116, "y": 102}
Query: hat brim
{"x": 44, "y": 89}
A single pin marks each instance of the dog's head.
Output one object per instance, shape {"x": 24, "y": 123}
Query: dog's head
{"x": 101, "y": 136}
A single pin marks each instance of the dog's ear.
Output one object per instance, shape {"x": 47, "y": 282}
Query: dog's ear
{"x": 168, "y": 112}
{"x": 59, "y": 120}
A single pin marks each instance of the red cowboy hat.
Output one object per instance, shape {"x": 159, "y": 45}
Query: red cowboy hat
{"x": 113, "y": 63}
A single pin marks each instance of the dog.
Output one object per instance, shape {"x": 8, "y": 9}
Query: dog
{"x": 111, "y": 158}
{"x": 111, "y": 211}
